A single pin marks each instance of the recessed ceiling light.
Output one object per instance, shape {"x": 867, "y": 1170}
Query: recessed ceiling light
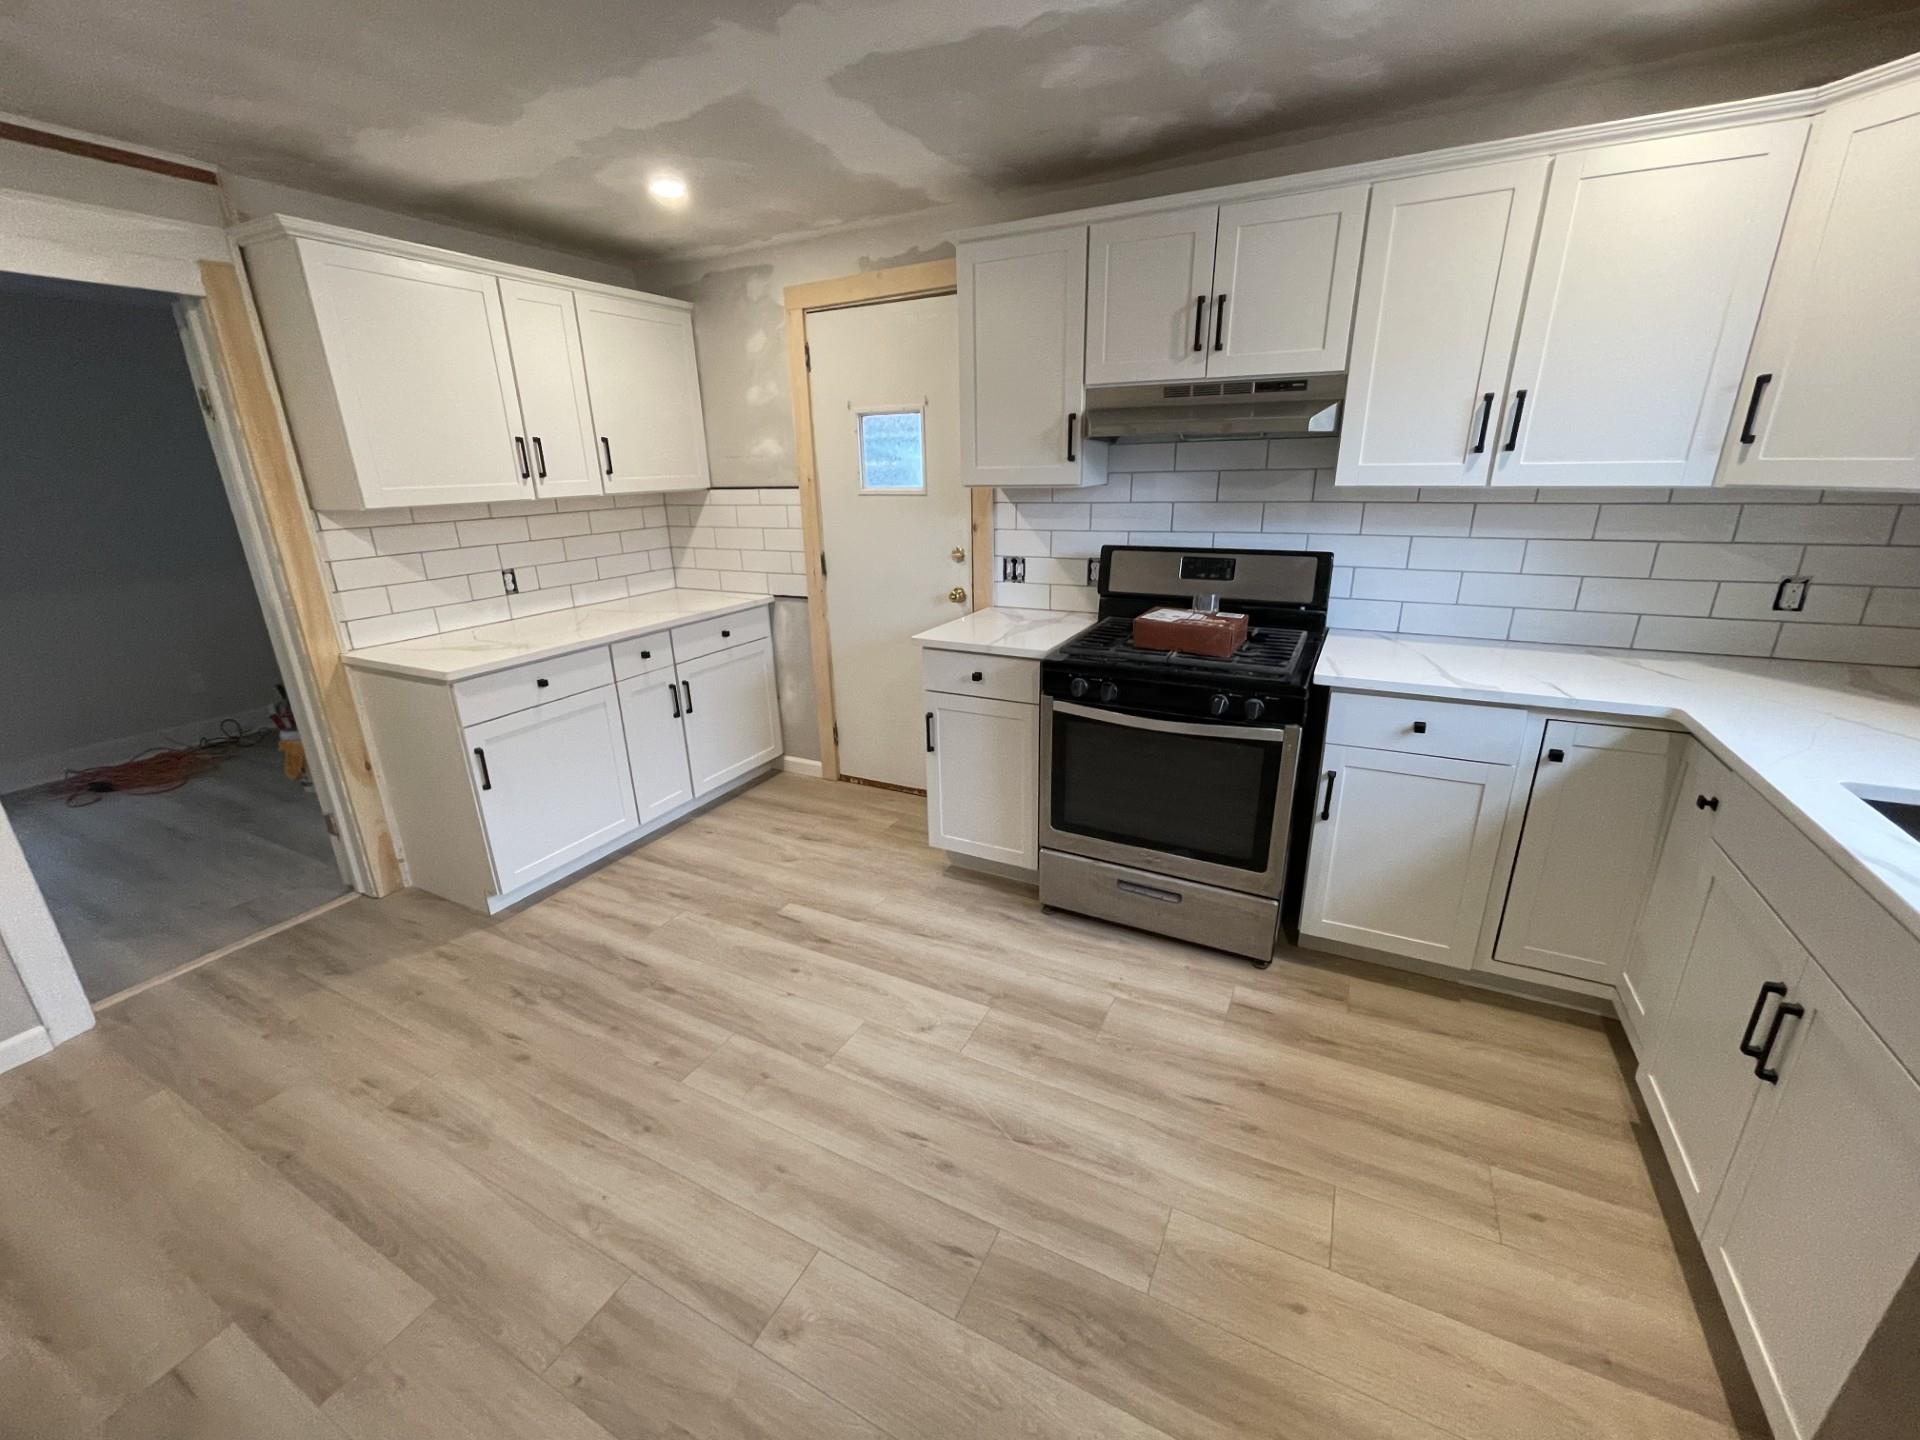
{"x": 667, "y": 187}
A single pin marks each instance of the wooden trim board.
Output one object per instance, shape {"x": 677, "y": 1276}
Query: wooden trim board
{"x": 242, "y": 360}
{"x": 905, "y": 282}
{"x": 110, "y": 154}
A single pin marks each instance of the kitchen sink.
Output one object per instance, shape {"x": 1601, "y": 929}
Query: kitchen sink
{"x": 1902, "y": 807}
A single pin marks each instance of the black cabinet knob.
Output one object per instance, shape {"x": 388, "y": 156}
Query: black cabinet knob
{"x": 977, "y": 677}
{"x": 542, "y": 682}
{"x": 646, "y": 654}
{"x": 1419, "y": 727}
{"x": 1556, "y": 756}
{"x": 726, "y": 634}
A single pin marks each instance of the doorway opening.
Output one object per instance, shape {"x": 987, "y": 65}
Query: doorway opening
{"x": 150, "y": 763}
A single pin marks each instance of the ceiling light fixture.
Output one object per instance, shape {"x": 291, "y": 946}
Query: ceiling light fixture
{"x": 667, "y": 188}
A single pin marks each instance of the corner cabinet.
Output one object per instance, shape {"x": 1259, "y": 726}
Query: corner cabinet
{"x": 1023, "y": 355}
{"x": 415, "y": 377}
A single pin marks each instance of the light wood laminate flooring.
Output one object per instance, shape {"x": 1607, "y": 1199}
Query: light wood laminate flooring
{"x": 778, "y": 1128}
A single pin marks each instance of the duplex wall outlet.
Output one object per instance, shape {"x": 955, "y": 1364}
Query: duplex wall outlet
{"x": 1093, "y": 570}
{"x": 1013, "y": 569}
{"x": 1792, "y": 594}
{"x": 510, "y": 580}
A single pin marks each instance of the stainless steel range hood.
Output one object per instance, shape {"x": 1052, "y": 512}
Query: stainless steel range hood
{"x": 1217, "y": 409}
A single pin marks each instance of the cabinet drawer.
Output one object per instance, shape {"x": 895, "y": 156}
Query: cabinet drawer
{"x": 703, "y": 637}
{"x": 642, "y": 655}
{"x": 486, "y": 697}
{"x": 992, "y": 677}
{"x": 1426, "y": 727}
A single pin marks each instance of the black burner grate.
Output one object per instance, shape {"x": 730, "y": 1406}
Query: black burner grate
{"x": 1269, "y": 652}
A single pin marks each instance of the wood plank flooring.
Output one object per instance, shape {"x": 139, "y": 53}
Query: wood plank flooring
{"x": 778, "y": 1129}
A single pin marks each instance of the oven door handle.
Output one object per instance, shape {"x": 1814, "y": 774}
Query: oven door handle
{"x": 1176, "y": 727}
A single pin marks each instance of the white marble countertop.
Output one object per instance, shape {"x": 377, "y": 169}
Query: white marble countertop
{"x": 458, "y": 654}
{"x": 1798, "y": 732}
{"x": 1002, "y": 630}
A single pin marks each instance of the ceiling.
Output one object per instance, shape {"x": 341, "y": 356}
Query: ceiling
{"x": 546, "y": 120}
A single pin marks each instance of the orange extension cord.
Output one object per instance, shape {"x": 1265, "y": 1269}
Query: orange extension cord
{"x": 155, "y": 772}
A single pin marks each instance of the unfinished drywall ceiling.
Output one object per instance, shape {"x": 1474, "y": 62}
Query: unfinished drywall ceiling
{"x": 786, "y": 119}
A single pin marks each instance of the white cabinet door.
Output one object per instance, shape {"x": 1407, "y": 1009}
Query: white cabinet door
{"x": 1403, "y": 852}
{"x": 419, "y": 359}
{"x": 1441, "y": 279}
{"x": 983, "y": 778}
{"x": 553, "y": 784}
{"x": 732, "y": 711}
{"x": 1699, "y": 1086}
{"x": 1820, "y": 1222}
{"x": 1023, "y": 355}
{"x": 1832, "y": 394}
{"x": 1647, "y": 282}
{"x": 1285, "y": 270}
{"x": 1587, "y": 849}
{"x": 550, "y": 374}
{"x": 651, "y": 713}
{"x": 645, "y": 393}
{"x": 1150, "y": 297}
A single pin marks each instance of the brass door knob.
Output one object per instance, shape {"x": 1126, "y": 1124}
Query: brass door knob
{"x": 958, "y": 595}
{"x": 958, "y": 554}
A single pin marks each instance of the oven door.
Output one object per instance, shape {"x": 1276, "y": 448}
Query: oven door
{"x": 1203, "y": 802}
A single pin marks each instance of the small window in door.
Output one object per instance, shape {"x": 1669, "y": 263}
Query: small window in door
{"x": 893, "y": 457}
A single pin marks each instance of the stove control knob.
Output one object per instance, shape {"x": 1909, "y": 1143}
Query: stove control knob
{"x": 1077, "y": 688}
{"x": 1218, "y": 705}
{"x": 1254, "y": 708}
{"x": 1109, "y": 692}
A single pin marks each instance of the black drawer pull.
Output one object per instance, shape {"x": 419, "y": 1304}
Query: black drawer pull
{"x": 1326, "y": 804}
{"x": 976, "y": 677}
{"x": 929, "y": 732}
{"x": 674, "y": 691}
{"x": 1556, "y": 756}
{"x": 1747, "y": 434}
{"x": 1747, "y": 1047}
{"x": 1419, "y": 727}
{"x": 486, "y": 776}
{"x": 646, "y": 654}
{"x": 542, "y": 682}
{"x": 726, "y": 634}
{"x": 1760, "y": 1067}
{"x": 1706, "y": 802}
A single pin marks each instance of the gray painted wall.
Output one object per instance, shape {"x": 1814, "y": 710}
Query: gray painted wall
{"x": 16, "y": 1010}
{"x": 127, "y": 602}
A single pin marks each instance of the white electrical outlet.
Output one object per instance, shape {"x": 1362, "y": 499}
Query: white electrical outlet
{"x": 1792, "y": 594}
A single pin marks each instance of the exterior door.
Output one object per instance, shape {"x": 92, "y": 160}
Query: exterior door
{"x": 1150, "y": 298}
{"x": 983, "y": 785}
{"x": 651, "y": 712}
{"x": 893, "y": 513}
{"x": 1699, "y": 1086}
{"x": 1647, "y": 282}
{"x": 1832, "y": 395}
{"x": 553, "y": 784}
{"x": 1403, "y": 852}
{"x": 1286, "y": 270}
{"x": 419, "y": 355}
{"x": 550, "y": 373}
{"x": 1441, "y": 281}
{"x": 645, "y": 393}
{"x": 732, "y": 713}
{"x": 1820, "y": 1221}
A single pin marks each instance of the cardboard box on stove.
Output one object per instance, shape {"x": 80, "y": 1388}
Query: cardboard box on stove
{"x": 1214, "y": 633}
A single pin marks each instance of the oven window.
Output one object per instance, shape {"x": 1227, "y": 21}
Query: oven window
{"x": 1203, "y": 797}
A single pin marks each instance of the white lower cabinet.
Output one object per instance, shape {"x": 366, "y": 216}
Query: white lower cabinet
{"x": 731, "y": 713}
{"x": 1404, "y": 849}
{"x": 983, "y": 756}
{"x": 1700, "y": 1082}
{"x": 1819, "y": 1222}
{"x": 651, "y": 710}
{"x": 553, "y": 784}
{"x": 1588, "y": 848}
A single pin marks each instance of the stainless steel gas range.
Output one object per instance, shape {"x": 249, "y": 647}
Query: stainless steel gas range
{"x": 1167, "y": 781}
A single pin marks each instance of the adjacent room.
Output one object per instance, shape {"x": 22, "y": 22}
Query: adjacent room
{"x": 1119, "y": 720}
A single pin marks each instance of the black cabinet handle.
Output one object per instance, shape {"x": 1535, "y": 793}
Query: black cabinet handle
{"x": 1486, "y": 419}
{"x": 1073, "y": 424}
{"x": 674, "y": 691}
{"x": 539, "y": 458}
{"x": 542, "y": 683}
{"x": 686, "y": 689}
{"x": 977, "y": 677}
{"x": 1220, "y": 321}
{"x": 1706, "y": 802}
{"x": 1760, "y": 383}
{"x": 1760, "y": 1067}
{"x": 646, "y": 654}
{"x": 1513, "y": 435}
{"x": 520, "y": 447}
{"x": 1419, "y": 727}
{"x": 1326, "y": 804}
{"x": 1747, "y": 1047}
{"x": 929, "y": 732}
{"x": 1199, "y": 323}
{"x": 486, "y": 776}
{"x": 726, "y": 634}
{"x": 606, "y": 453}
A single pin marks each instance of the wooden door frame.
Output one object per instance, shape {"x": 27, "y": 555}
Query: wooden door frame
{"x": 872, "y": 287}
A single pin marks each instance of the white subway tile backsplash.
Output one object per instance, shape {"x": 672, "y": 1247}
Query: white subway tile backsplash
{"x": 1835, "y": 524}
{"x": 412, "y": 539}
{"x": 1906, "y": 530}
{"x": 362, "y": 519}
{"x": 1893, "y": 607}
{"x": 1588, "y": 557}
{"x": 1854, "y": 644}
{"x": 1264, "y": 540}
{"x": 428, "y": 594}
{"x": 559, "y": 525}
{"x": 1381, "y": 551}
{"x": 1666, "y": 522}
{"x": 1266, "y": 485}
{"x": 1217, "y": 515}
{"x": 1080, "y": 542}
{"x": 1709, "y": 637}
{"x": 347, "y": 544}
{"x": 1121, "y": 458}
{"x": 533, "y": 552}
{"x": 1176, "y": 485}
{"x": 360, "y": 604}
{"x": 1435, "y": 586}
{"x": 539, "y": 602}
{"x": 1725, "y": 562}
{"x": 1478, "y": 622}
{"x": 1221, "y": 455}
{"x": 1302, "y": 453}
{"x": 1572, "y": 627}
{"x": 1541, "y": 592}
{"x": 1192, "y": 539}
{"x": 1647, "y": 597}
{"x": 1312, "y": 516}
{"x": 1565, "y": 522}
{"x": 1364, "y": 614}
{"x": 469, "y": 561}
{"x": 1051, "y": 515}
{"x": 1024, "y": 542}
{"x": 1417, "y": 519}
{"x": 492, "y": 532}
{"x": 589, "y": 547}
{"x": 380, "y": 570}
{"x": 1826, "y": 604}
{"x": 490, "y": 611}
{"x": 598, "y": 592}
{"x": 1849, "y": 565}
{"x": 1438, "y": 553}
{"x": 1139, "y": 515}
{"x": 385, "y": 629}
{"x": 523, "y": 507}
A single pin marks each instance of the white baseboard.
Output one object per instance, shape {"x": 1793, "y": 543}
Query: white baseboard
{"x": 27, "y": 1045}
{"x": 795, "y": 765}
{"x": 30, "y": 771}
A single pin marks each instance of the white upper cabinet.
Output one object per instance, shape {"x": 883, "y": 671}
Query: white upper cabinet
{"x": 1023, "y": 351}
{"x": 645, "y": 391}
{"x": 1832, "y": 393}
{"x": 1284, "y": 271}
{"x": 1441, "y": 282}
{"x": 1150, "y": 296}
{"x": 550, "y": 373}
{"x": 1647, "y": 281}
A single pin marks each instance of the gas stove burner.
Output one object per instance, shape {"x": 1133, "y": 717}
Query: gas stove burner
{"x": 1272, "y": 654}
